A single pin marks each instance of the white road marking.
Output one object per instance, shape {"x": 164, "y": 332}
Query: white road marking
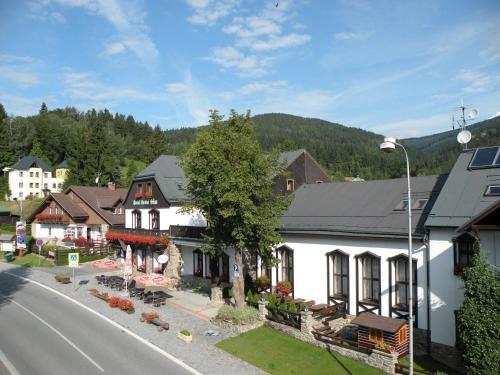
{"x": 56, "y": 331}
{"x": 119, "y": 326}
{"x": 8, "y": 364}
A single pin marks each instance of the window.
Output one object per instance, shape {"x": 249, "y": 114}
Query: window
{"x": 464, "y": 251}
{"x": 371, "y": 278}
{"x": 154, "y": 219}
{"x": 37, "y": 174}
{"x": 45, "y": 186}
{"x": 136, "y": 219}
{"x": 198, "y": 263}
{"x": 50, "y": 210}
{"x": 50, "y": 230}
{"x": 376, "y": 336}
{"x": 53, "y": 186}
{"x": 287, "y": 265}
{"x": 31, "y": 185}
{"x": 290, "y": 185}
{"x": 21, "y": 174}
{"x": 21, "y": 194}
{"x": 401, "y": 269}
{"x": 339, "y": 264}
{"x": 420, "y": 204}
{"x": 37, "y": 195}
{"x": 485, "y": 157}
{"x": 37, "y": 185}
{"x": 31, "y": 174}
{"x": 46, "y": 175}
{"x": 492, "y": 190}
{"x": 139, "y": 188}
{"x": 403, "y": 205}
{"x": 149, "y": 188}
{"x": 403, "y": 335}
{"x": 21, "y": 185}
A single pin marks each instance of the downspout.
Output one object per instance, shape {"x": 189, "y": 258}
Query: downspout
{"x": 427, "y": 244}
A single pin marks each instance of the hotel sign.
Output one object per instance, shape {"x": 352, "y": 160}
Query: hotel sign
{"x": 145, "y": 202}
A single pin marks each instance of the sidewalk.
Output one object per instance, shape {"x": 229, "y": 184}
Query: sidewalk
{"x": 188, "y": 313}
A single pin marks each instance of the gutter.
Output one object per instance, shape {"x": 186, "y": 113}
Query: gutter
{"x": 427, "y": 242}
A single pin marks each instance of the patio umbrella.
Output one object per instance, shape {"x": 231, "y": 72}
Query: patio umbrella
{"x": 127, "y": 269}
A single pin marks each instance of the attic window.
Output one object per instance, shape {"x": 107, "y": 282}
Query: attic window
{"x": 492, "y": 190}
{"x": 420, "y": 204}
{"x": 403, "y": 205}
{"x": 486, "y": 158}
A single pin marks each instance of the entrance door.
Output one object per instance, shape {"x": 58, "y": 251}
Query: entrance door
{"x": 88, "y": 234}
{"x": 214, "y": 267}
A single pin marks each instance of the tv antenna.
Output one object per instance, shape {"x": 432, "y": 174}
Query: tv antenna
{"x": 464, "y": 136}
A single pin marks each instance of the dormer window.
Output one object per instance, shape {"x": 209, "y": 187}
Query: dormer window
{"x": 290, "y": 185}
{"x": 492, "y": 190}
{"x": 138, "y": 193}
{"x": 149, "y": 190}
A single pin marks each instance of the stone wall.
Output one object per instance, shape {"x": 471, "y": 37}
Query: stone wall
{"x": 193, "y": 282}
{"x": 174, "y": 264}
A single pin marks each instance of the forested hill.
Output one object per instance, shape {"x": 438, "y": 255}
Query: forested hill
{"x": 116, "y": 146}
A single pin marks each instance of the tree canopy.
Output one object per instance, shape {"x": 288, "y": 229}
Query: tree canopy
{"x": 231, "y": 182}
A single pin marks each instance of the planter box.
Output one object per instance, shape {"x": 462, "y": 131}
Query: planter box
{"x": 184, "y": 337}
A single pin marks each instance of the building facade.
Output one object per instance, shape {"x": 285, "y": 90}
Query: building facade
{"x": 31, "y": 178}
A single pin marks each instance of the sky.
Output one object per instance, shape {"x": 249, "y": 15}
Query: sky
{"x": 397, "y": 68}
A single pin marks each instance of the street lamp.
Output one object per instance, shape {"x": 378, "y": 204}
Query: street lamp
{"x": 389, "y": 145}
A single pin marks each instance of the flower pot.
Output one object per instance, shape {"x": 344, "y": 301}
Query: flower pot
{"x": 185, "y": 338}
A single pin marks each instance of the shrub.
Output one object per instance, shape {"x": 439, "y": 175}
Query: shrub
{"x": 250, "y": 296}
{"x": 293, "y": 308}
{"x": 384, "y": 347}
{"x": 477, "y": 318}
{"x": 302, "y": 307}
{"x": 80, "y": 242}
{"x": 113, "y": 302}
{"x": 272, "y": 300}
{"x": 238, "y": 315}
{"x": 185, "y": 332}
{"x": 61, "y": 277}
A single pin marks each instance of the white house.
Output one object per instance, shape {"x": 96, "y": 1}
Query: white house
{"x": 32, "y": 177}
{"x": 465, "y": 218}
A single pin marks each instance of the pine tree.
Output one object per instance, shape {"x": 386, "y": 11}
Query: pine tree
{"x": 36, "y": 150}
{"x": 43, "y": 109}
{"x": 157, "y": 144}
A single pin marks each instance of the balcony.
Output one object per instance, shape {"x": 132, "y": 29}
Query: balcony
{"x": 175, "y": 231}
{"x": 139, "y": 232}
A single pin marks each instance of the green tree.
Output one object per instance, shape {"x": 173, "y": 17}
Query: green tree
{"x": 479, "y": 318}
{"x": 36, "y": 150}
{"x": 43, "y": 108}
{"x": 157, "y": 144}
{"x": 231, "y": 182}
{"x": 132, "y": 171}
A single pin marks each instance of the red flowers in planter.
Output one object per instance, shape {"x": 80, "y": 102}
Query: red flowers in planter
{"x": 49, "y": 218}
{"x": 125, "y": 305}
{"x": 138, "y": 195}
{"x": 132, "y": 238}
{"x": 148, "y": 195}
{"x": 80, "y": 242}
{"x": 284, "y": 287}
{"x": 113, "y": 302}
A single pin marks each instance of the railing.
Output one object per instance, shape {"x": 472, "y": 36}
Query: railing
{"x": 186, "y": 231}
{"x": 139, "y": 232}
{"x": 180, "y": 231}
{"x": 282, "y": 316}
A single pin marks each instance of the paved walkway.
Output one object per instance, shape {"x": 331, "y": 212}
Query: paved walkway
{"x": 183, "y": 311}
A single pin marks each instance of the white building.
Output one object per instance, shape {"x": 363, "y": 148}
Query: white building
{"x": 466, "y": 217}
{"x": 30, "y": 177}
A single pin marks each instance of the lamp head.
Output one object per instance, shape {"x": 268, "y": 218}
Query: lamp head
{"x": 388, "y": 145}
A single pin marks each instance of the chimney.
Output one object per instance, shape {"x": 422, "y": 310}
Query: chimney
{"x": 111, "y": 186}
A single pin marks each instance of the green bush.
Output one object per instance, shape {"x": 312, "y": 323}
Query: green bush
{"x": 478, "y": 318}
{"x": 250, "y": 296}
{"x": 185, "y": 332}
{"x": 293, "y": 308}
{"x": 238, "y": 315}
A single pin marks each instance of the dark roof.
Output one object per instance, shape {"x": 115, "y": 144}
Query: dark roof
{"x": 362, "y": 209}
{"x": 378, "y": 322}
{"x": 288, "y": 157}
{"x": 7, "y": 237}
{"x": 62, "y": 165}
{"x": 26, "y": 162}
{"x": 489, "y": 217}
{"x": 462, "y": 196}
{"x": 67, "y": 204}
{"x": 100, "y": 198}
{"x": 168, "y": 175}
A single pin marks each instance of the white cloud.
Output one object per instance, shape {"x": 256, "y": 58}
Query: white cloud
{"x": 346, "y": 35}
{"x": 126, "y": 17}
{"x": 277, "y": 42}
{"x": 208, "y": 12}
{"x": 178, "y": 87}
{"x": 21, "y": 106}
{"x": 259, "y": 87}
{"x": 18, "y": 69}
{"x": 477, "y": 81}
{"x": 230, "y": 57}
{"x": 414, "y": 127}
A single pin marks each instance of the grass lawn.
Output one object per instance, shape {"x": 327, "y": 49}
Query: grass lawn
{"x": 28, "y": 206}
{"x": 31, "y": 260}
{"x": 428, "y": 364}
{"x": 277, "y": 353}
{"x": 90, "y": 258}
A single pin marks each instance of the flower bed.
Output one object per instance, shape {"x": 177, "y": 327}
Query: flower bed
{"x": 121, "y": 303}
{"x": 132, "y": 238}
{"x": 49, "y": 218}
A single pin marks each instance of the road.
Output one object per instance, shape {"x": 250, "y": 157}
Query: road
{"x": 43, "y": 333}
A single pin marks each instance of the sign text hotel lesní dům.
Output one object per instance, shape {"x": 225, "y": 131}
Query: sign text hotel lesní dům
{"x": 144, "y": 202}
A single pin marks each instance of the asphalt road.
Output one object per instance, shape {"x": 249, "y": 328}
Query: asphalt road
{"x": 43, "y": 333}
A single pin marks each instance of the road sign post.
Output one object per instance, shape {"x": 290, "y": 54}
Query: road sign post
{"x": 73, "y": 260}
{"x": 39, "y": 243}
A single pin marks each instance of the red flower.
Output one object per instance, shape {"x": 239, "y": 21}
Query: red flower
{"x": 113, "y": 301}
{"x": 148, "y": 195}
{"x": 138, "y": 195}
{"x": 125, "y": 304}
{"x": 132, "y": 238}
{"x": 49, "y": 218}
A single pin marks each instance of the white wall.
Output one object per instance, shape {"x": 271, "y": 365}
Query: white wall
{"x": 187, "y": 258}
{"x": 15, "y": 179}
{"x": 168, "y": 216}
{"x": 310, "y": 272}
{"x": 39, "y": 230}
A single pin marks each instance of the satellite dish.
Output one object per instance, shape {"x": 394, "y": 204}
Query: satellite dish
{"x": 472, "y": 114}
{"x": 464, "y": 137}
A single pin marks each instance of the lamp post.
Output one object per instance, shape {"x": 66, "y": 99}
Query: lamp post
{"x": 389, "y": 145}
